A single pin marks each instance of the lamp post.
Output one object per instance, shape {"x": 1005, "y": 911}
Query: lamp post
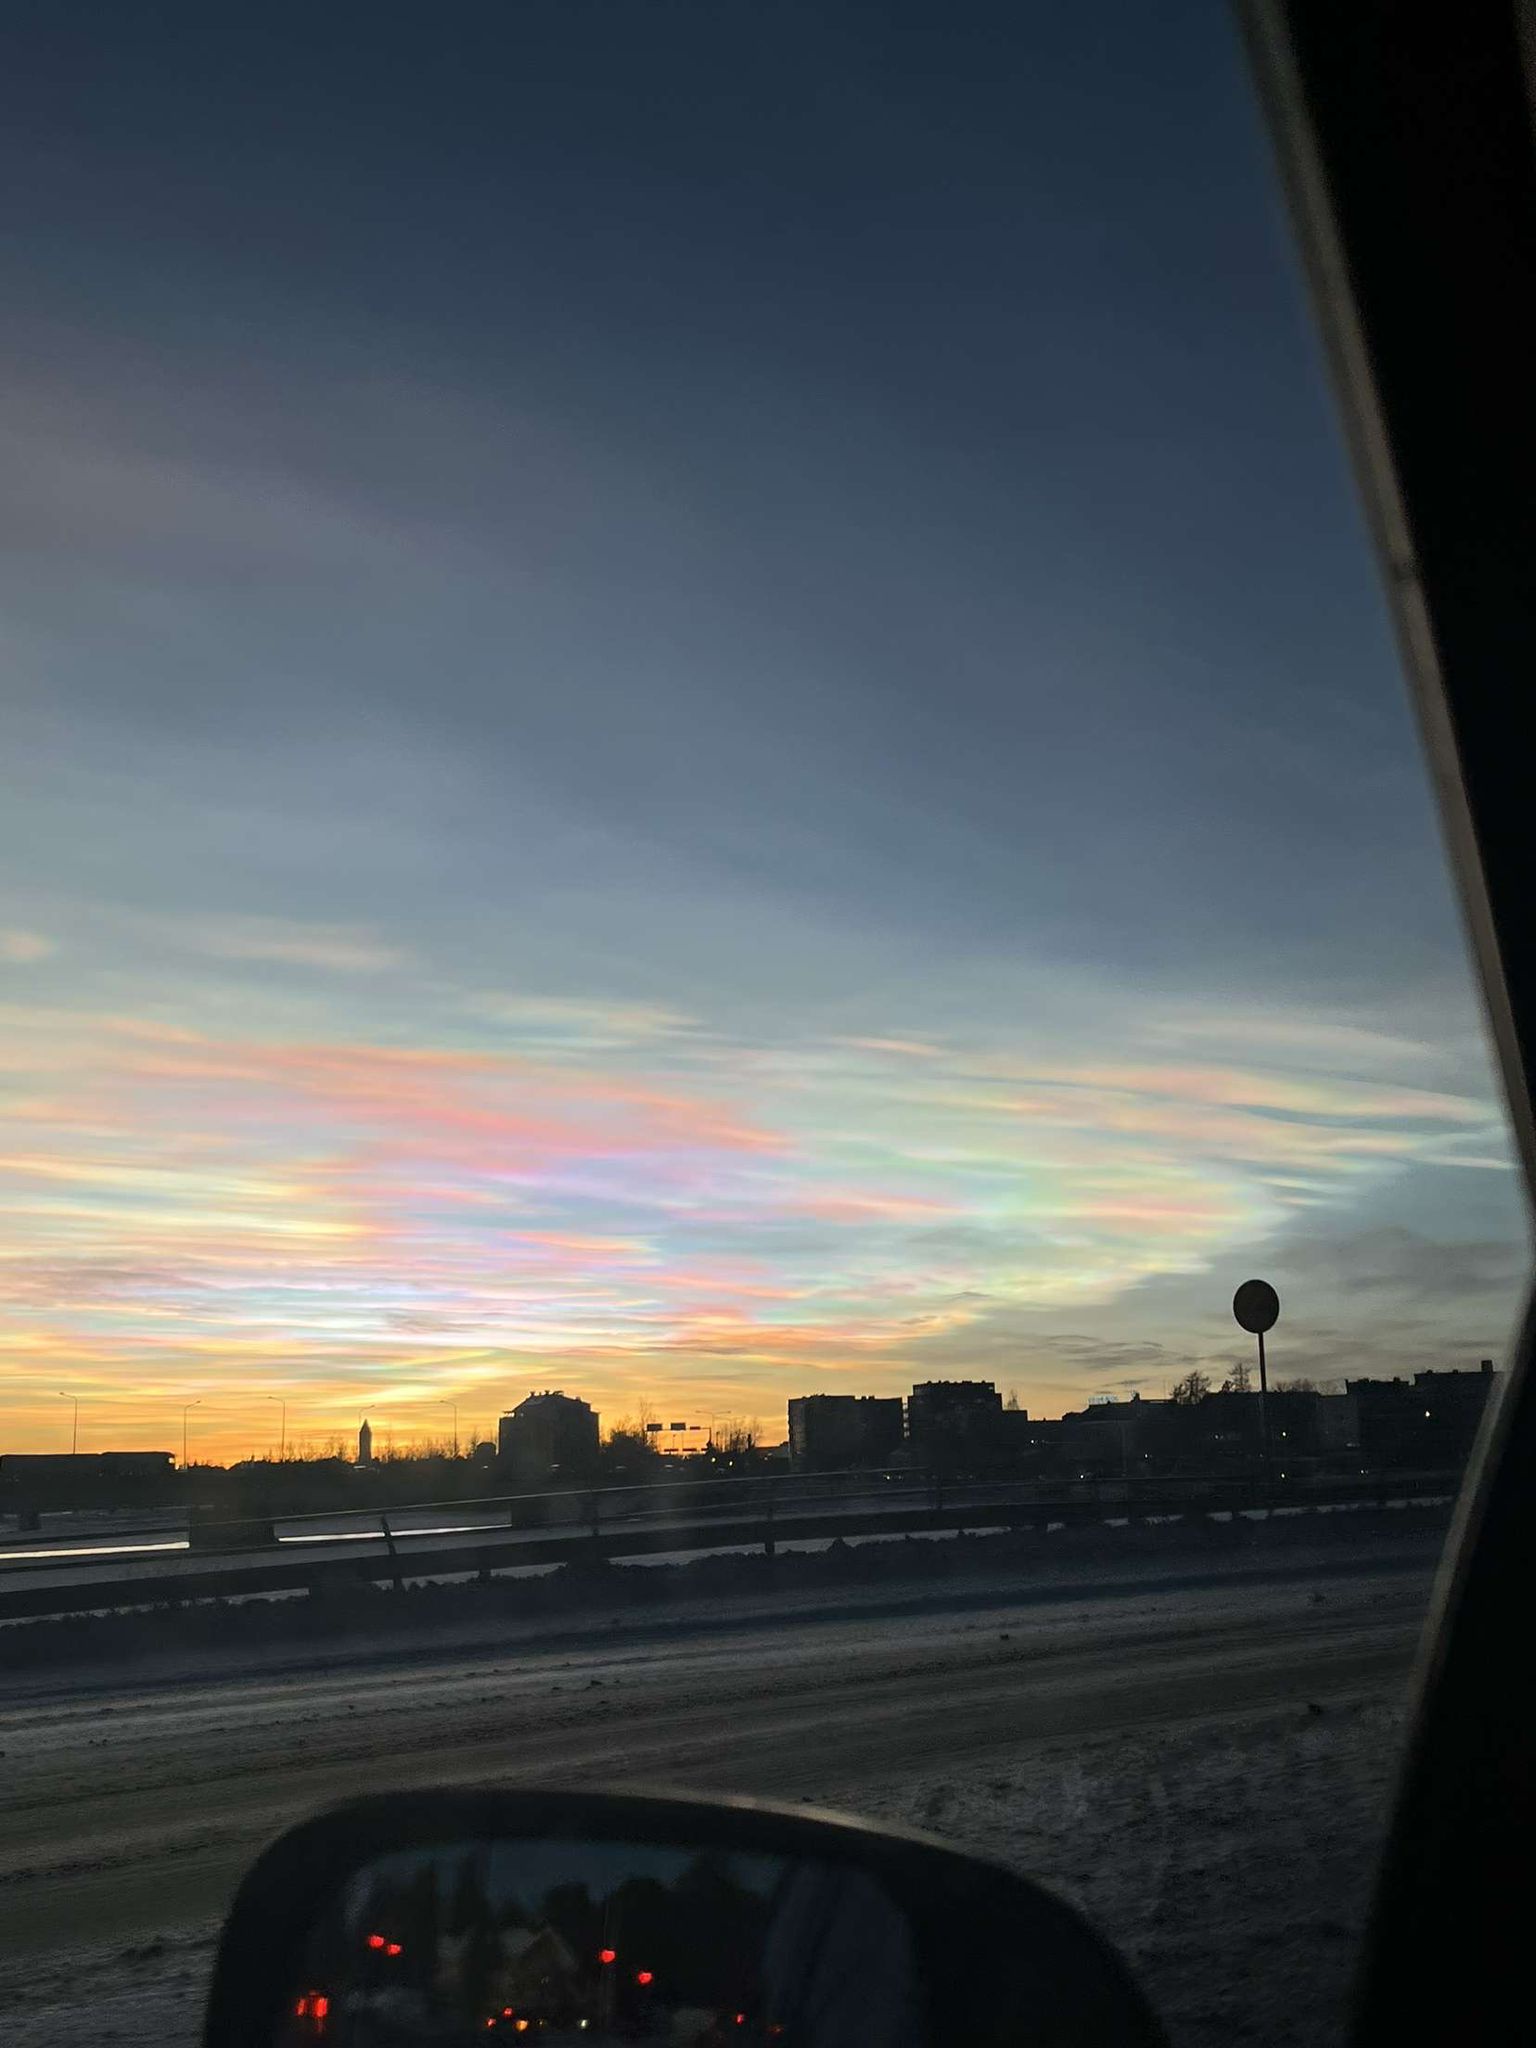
{"x": 186, "y": 1410}
{"x": 74, "y": 1432}
{"x": 282, "y": 1427}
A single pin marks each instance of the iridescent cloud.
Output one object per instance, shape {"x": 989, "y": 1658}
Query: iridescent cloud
{"x": 637, "y": 1204}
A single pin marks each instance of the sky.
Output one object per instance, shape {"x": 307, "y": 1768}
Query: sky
{"x": 695, "y": 708}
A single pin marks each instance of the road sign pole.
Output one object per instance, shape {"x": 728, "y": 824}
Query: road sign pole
{"x": 1256, "y": 1308}
{"x": 1263, "y": 1407}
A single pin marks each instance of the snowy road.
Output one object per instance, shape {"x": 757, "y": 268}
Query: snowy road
{"x": 125, "y": 1818}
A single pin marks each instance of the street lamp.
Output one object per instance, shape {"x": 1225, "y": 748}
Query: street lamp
{"x": 74, "y": 1433}
{"x": 443, "y": 1402}
{"x": 187, "y": 1408}
{"x": 282, "y": 1427}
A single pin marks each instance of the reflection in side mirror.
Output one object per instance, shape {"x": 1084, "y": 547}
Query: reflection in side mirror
{"x": 451, "y": 1918}
{"x": 618, "y": 1941}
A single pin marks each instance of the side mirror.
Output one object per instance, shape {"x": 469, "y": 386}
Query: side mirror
{"x": 430, "y": 1920}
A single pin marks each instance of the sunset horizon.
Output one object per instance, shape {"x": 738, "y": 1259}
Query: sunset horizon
{"x": 660, "y": 1214}
{"x": 761, "y": 783}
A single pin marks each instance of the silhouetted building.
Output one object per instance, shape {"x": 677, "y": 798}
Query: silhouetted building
{"x": 950, "y": 1420}
{"x": 1114, "y": 1439}
{"x": 1221, "y": 1433}
{"x": 64, "y": 1479}
{"x": 94, "y": 1464}
{"x": 961, "y": 1427}
{"x": 1430, "y": 1422}
{"x": 547, "y": 1435}
{"x": 1227, "y": 1429}
{"x": 1338, "y": 1425}
{"x": 1014, "y": 1444}
{"x": 828, "y": 1432}
{"x": 365, "y": 1444}
{"x": 1455, "y": 1400}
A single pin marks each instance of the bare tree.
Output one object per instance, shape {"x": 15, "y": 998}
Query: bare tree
{"x": 625, "y": 1444}
{"x": 633, "y": 1429}
{"x": 1239, "y": 1380}
{"x": 1301, "y": 1386}
{"x": 738, "y": 1433}
{"x": 1192, "y": 1388}
{"x": 413, "y": 1451}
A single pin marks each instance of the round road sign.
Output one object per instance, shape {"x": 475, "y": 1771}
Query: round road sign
{"x": 1256, "y": 1306}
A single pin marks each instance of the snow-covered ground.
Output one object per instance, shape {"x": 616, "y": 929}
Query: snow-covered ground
{"x": 1229, "y": 1860}
{"x": 1203, "y": 1770}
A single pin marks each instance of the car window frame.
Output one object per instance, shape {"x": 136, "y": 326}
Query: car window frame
{"x": 1405, "y": 144}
